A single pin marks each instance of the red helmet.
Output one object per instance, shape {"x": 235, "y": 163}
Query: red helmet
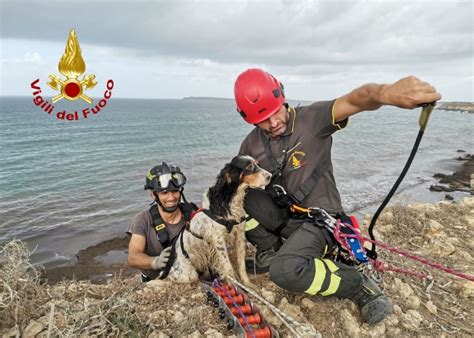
{"x": 258, "y": 95}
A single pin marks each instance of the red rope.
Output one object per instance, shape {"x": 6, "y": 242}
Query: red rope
{"x": 380, "y": 266}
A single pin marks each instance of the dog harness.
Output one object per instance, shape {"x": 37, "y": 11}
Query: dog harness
{"x": 229, "y": 224}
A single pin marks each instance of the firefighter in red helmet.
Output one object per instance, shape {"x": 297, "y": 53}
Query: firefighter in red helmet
{"x": 295, "y": 145}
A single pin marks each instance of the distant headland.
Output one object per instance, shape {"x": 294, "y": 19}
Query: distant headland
{"x": 203, "y": 98}
{"x": 451, "y": 106}
{"x": 457, "y": 106}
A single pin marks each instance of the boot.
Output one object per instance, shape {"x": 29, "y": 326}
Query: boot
{"x": 373, "y": 304}
{"x": 262, "y": 260}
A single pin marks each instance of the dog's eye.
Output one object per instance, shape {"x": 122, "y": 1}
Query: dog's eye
{"x": 251, "y": 168}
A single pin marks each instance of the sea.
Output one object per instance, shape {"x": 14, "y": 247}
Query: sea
{"x": 66, "y": 185}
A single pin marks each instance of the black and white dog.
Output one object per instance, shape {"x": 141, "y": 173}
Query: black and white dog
{"x": 218, "y": 232}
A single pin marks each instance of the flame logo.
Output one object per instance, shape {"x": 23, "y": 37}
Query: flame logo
{"x": 72, "y": 65}
{"x": 296, "y": 160}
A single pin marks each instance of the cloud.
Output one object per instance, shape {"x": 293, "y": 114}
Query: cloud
{"x": 32, "y": 57}
{"x": 304, "y": 42}
{"x": 28, "y": 58}
{"x": 283, "y": 33}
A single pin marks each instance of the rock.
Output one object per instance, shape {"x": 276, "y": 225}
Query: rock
{"x": 469, "y": 221}
{"x": 350, "y": 324}
{"x": 308, "y": 303}
{"x": 436, "y": 188}
{"x": 195, "y": 334}
{"x": 269, "y": 316}
{"x": 397, "y": 309}
{"x": 433, "y": 228}
{"x": 307, "y": 330}
{"x": 413, "y": 302}
{"x": 158, "y": 285}
{"x": 467, "y": 202}
{"x": 411, "y": 320}
{"x": 422, "y": 207}
{"x": 386, "y": 228}
{"x": 441, "y": 246}
{"x": 386, "y": 217}
{"x": 447, "y": 250}
{"x": 213, "y": 333}
{"x": 198, "y": 296}
{"x": 391, "y": 320}
{"x": 403, "y": 289}
{"x": 448, "y": 197}
{"x": 377, "y": 330}
{"x": 464, "y": 255}
{"x": 59, "y": 319}
{"x": 12, "y": 332}
{"x": 178, "y": 317}
{"x": 268, "y": 295}
{"x": 466, "y": 289}
{"x": 157, "y": 315}
{"x": 431, "y": 307}
{"x": 290, "y": 309}
{"x": 58, "y": 291}
{"x": 33, "y": 329}
{"x": 439, "y": 175}
{"x": 394, "y": 332}
{"x": 158, "y": 334}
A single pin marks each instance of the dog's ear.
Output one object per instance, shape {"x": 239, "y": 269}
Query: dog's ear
{"x": 225, "y": 188}
{"x": 234, "y": 175}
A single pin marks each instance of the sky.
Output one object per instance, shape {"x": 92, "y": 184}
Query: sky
{"x": 176, "y": 48}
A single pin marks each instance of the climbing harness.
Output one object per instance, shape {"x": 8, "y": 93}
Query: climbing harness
{"x": 349, "y": 250}
{"x": 188, "y": 210}
{"x": 423, "y": 121}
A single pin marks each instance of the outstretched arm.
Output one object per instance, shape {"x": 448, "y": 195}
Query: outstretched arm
{"x": 408, "y": 93}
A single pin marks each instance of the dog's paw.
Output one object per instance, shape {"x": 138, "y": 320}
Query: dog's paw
{"x": 228, "y": 278}
{"x": 249, "y": 284}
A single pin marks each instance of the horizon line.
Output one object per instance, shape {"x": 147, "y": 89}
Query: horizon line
{"x": 191, "y": 98}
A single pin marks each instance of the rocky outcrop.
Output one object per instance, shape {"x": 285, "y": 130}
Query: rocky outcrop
{"x": 441, "y": 305}
{"x": 457, "y": 106}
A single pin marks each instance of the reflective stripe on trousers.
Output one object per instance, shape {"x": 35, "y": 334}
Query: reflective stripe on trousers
{"x": 324, "y": 268}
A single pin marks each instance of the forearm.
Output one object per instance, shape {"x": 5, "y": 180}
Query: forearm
{"x": 367, "y": 97}
{"x": 408, "y": 92}
{"x": 140, "y": 261}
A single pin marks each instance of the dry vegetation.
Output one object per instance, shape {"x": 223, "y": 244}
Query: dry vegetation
{"x": 440, "y": 306}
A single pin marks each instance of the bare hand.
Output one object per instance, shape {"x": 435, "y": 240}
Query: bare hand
{"x": 409, "y": 92}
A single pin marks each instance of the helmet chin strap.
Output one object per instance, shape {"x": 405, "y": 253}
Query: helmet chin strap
{"x": 165, "y": 209}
